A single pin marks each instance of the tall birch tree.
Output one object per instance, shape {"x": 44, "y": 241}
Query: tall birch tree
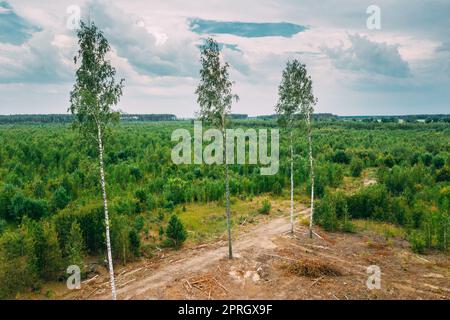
{"x": 295, "y": 95}
{"x": 307, "y": 103}
{"x": 215, "y": 98}
{"x": 287, "y": 109}
{"x": 94, "y": 94}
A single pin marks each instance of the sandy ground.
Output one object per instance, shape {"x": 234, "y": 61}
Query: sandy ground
{"x": 267, "y": 264}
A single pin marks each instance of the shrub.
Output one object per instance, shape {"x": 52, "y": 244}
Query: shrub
{"x": 389, "y": 161}
{"x": 443, "y": 175}
{"x": 6, "y": 195}
{"x": 139, "y": 223}
{"x": 175, "y": 232}
{"x": 75, "y": 247}
{"x": 60, "y": 198}
{"x": 91, "y": 220}
{"x": 370, "y": 202}
{"x": 356, "y": 167}
{"x": 24, "y": 206}
{"x": 266, "y": 206}
{"x": 17, "y": 263}
{"x": 417, "y": 241}
{"x": 135, "y": 242}
{"x": 438, "y": 162}
{"x": 427, "y": 159}
{"x": 161, "y": 232}
{"x": 341, "y": 157}
{"x": 325, "y": 214}
{"x": 277, "y": 188}
{"x": 3, "y": 225}
{"x": 48, "y": 258}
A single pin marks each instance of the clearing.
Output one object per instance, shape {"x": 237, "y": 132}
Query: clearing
{"x": 272, "y": 264}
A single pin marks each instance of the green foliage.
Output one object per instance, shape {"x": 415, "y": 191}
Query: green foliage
{"x": 408, "y": 194}
{"x": 356, "y": 167}
{"x": 47, "y": 253}
{"x": 139, "y": 223}
{"x": 266, "y": 206}
{"x": 175, "y": 232}
{"x": 60, "y": 198}
{"x": 135, "y": 242}
{"x": 95, "y": 89}
{"x": 427, "y": 159}
{"x": 161, "y": 232}
{"x": 417, "y": 241}
{"x": 17, "y": 263}
{"x": 91, "y": 220}
{"x": 332, "y": 213}
{"x": 214, "y": 92}
{"x": 438, "y": 162}
{"x": 23, "y": 206}
{"x": 370, "y": 202}
{"x": 389, "y": 161}
{"x": 443, "y": 175}
{"x": 325, "y": 214}
{"x": 6, "y": 195}
{"x": 294, "y": 93}
{"x": 3, "y": 225}
{"x": 75, "y": 246}
{"x": 341, "y": 157}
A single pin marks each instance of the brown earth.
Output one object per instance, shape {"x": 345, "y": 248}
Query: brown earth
{"x": 270, "y": 263}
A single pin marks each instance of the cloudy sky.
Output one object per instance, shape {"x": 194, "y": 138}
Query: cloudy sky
{"x": 403, "y": 68}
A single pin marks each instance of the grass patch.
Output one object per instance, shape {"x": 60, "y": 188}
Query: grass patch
{"x": 383, "y": 229}
{"x": 205, "y": 222}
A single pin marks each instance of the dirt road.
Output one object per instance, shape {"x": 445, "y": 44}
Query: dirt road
{"x": 270, "y": 264}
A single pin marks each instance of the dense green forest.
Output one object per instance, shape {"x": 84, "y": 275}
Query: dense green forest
{"x": 51, "y": 214}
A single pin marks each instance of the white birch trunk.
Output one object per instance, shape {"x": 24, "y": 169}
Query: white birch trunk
{"x": 292, "y": 187}
{"x": 227, "y": 193}
{"x": 105, "y": 205}
{"x": 311, "y": 164}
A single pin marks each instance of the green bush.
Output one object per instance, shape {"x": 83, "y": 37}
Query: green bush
{"x": 175, "y": 232}
{"x": 135, "y": 243}
{"x": 75, "y": 247}
{"x": 3, "y": 225}
{"x": 370, "y": 202}
{"x": 161, "y": 232}
{"x": 356, "y": 167}
{"x": 417, "y": 241}
{"x": 341, "y": 157}
{"x": 438, "y": 162}
{"x": 23, "y": 206}
{"x": 47, "y": 254}
{"x": 60, "y": 198}
{"x": 91, "y": 220}
{"x": 266, "y": 206}
{"x": 17, "y": 263}
{"x": 325, "y": 214}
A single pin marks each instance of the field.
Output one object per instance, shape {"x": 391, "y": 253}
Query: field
{"x": 383, "y": 199}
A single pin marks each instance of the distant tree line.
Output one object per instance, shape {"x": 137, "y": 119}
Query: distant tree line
{"x": 316, "y": 116}
{"x": 67, "y": 118}
{"x": 427, "y": 118}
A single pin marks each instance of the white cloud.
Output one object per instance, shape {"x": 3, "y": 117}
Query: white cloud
{"x": 154, "y": 50}
{"x": 368, "y": 56}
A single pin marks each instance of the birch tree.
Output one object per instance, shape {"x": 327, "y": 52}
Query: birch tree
{"x": 287, "y": 110}
{"x": 295, "y": 95}
{"x": 307, "y": 103}
{"x": 94, "y": 94}
{"x": 215, "y": 97}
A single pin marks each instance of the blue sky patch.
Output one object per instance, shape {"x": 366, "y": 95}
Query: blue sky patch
{"x": 13, "y": 29}
{"x": 245, "y": 29}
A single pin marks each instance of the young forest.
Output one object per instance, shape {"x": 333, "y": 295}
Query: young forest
{"x": 108, "y": 194}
